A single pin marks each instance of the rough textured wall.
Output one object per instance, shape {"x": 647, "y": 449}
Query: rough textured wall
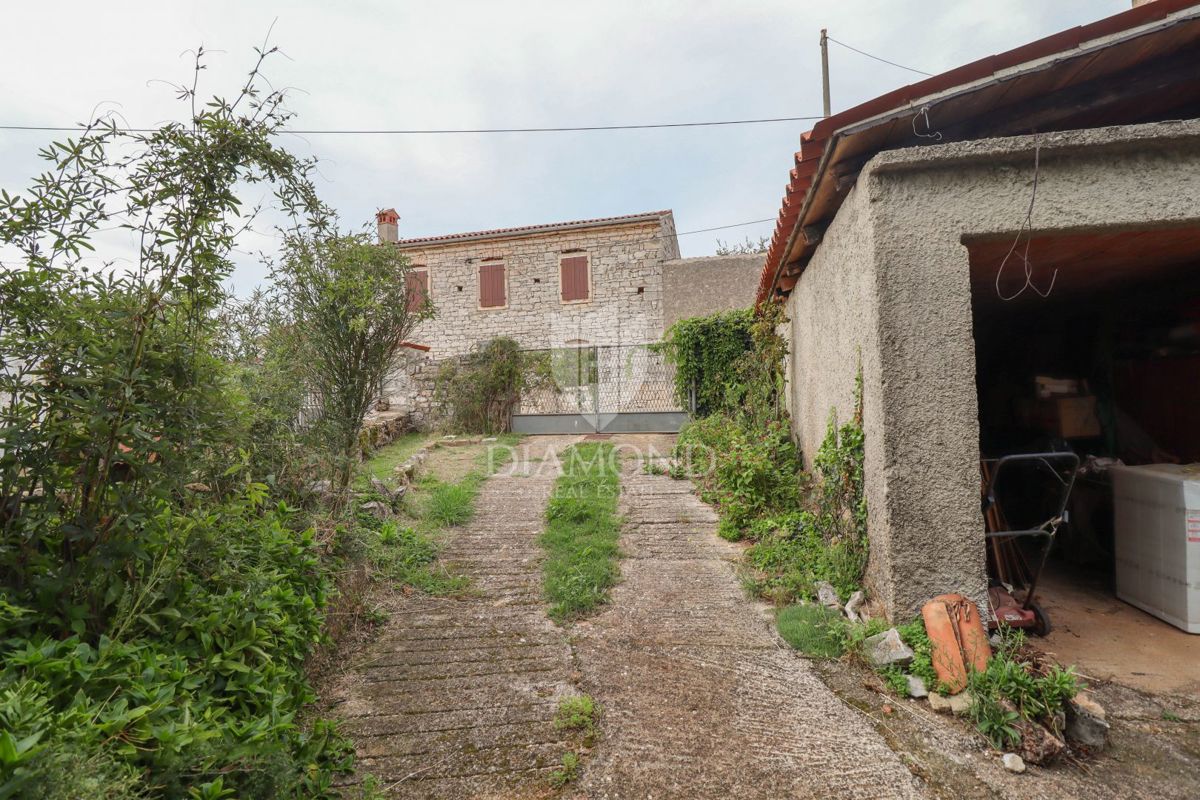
{"x": 625, "y": 305}
{"x": 409, "y": 389}
{"x": 833, "y": 324}
{"x": 695, "y": 287}
{"x": 623, "y": 258}
{"x": 903, "y": 229}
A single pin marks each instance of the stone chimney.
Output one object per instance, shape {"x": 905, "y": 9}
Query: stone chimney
{"x": 386, "y": 221}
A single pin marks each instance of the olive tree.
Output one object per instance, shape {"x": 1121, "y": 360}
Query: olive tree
{"x": 350, "y": 311}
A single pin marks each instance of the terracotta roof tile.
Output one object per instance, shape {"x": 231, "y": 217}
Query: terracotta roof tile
{"x": 813, "y": 142}
{"x": 525, "y": 230}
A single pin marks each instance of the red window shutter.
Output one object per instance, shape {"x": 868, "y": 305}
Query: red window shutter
{"x": 417, "y": 284}
{"x": 491, "y": 285}
{"x": 574, "y": 278}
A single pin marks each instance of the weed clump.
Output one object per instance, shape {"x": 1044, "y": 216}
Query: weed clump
{"x": 814, "y": 630}
{"x": 582, "y": 530}
{"x": 577, "y": 713}
{"x": 1015, "y": 688}
{"x": 567, "y": 772}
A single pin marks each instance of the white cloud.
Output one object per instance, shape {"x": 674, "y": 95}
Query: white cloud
{"x": 504, "y": 64}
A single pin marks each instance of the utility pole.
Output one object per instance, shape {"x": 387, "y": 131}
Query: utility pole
{"x": 825, "y": 69}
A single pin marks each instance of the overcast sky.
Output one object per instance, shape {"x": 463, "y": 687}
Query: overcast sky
{"x": 454, "y": 64}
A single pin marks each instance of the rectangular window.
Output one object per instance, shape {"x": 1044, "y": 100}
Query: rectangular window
{"x": 575, "y": 279}
{"x": 492, "y": 289}
{"x": 416, "y": 281}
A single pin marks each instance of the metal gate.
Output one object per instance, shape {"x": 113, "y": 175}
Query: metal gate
{"x": 599, "y": 389}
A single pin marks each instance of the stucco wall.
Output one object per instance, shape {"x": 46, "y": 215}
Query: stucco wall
{"x": 895, "y": 251}
{"x": 833, "y": 331}
{"x": 694, "y": 287}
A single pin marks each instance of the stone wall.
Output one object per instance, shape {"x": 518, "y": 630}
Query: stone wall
{"x": 625, "y": 307}
{"x": 694, "y": 287}
{"x": 409, "y": 389}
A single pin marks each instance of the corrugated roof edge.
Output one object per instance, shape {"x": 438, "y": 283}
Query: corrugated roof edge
{"x": 812, "y": 143}
{"x": 530, "y": 230}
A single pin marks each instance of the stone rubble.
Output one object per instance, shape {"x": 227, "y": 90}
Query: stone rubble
{"x": 852, "y": 606}
{"x": 1086, "y": 722}
{"x": 1013, "y": 763}
{"x": 887, "y": 649}
{"x": 956, "y": 704}
{"x": 828, "y": 596}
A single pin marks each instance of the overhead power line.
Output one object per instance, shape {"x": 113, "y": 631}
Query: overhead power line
{"x": 736, "y": 224}
{"x": 877, "y": 58}
{"x": 443, "y": 131}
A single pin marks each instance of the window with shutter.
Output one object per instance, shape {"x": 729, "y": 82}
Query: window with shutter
{"x": 491, "y": 285}
{"x": 575, "y": 280}
{"x": 417, "y": 284}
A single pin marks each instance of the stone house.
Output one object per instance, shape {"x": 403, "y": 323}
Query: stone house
{"x": 1033, "y": 214}
{"x": 613, "y": 282}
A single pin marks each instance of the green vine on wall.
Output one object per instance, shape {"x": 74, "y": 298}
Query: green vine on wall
{"x": 704, "y": 351}
{"x": 480, "y": 390}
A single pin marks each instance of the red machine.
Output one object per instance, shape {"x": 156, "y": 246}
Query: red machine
{"x": 1012, "y": 580}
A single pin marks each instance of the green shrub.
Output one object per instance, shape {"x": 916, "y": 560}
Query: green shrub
{"x": 201, "y": 672}
{"x": 754, "y": 472}
{"x": 705, "y": 352}
{"x": 480, "y": 390}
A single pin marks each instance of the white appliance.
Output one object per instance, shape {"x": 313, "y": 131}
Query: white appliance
{"x": 1157, "y": 530}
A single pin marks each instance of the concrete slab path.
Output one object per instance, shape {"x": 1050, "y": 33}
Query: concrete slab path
{"x": 701, "y": 699}
{"x": 457, "y": 696}
{"x": 456, "y": 699}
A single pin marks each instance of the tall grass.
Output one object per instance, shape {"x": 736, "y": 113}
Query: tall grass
{"x": 582, "y": 532}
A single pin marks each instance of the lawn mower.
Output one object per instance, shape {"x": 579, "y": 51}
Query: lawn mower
{"x": 1045, "y": 481}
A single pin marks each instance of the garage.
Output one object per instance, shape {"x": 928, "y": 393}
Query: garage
{"x": 1088, "y": 344}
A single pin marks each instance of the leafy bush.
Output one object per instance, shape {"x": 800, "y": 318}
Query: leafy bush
{"x": 156, "y": 607}
{"x": 746, "y": 472}
{"x": 479, "y": 391}
{"x": 828, "y": 541}
{"x": 200, "y": 672}
{"x": 349, "y": 313}
{"x": 705, "y": 351}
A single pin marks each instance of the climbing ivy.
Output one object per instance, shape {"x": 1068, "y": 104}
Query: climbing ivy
{"x": 705, "y": 351}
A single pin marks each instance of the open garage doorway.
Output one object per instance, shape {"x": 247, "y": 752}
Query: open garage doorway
{"x": 1094, "y": 349}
